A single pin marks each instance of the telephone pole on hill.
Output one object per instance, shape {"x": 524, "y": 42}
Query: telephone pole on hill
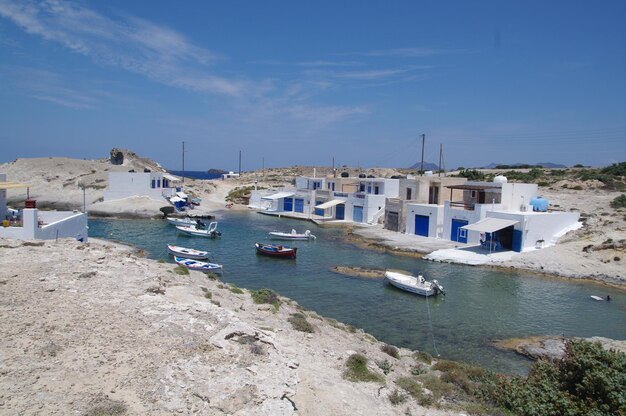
{"x": 422, "y": 165}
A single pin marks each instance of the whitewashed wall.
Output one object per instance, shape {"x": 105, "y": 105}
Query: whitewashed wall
{"x": 514, "y": 195}
{"x": 126, "y": 184}
{"x": 434, "y": 212}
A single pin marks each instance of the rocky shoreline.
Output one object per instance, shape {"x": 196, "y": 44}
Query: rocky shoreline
{"x": 94, "y": 326}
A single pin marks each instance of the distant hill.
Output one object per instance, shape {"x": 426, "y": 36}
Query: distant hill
{"x": 547, "y": 165}
{"x": 427, "y": 166}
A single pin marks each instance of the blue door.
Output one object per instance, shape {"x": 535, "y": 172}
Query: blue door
{"x": 299, "y": 205}
{"x": 517, "y": 241}
{"x": 421, "y": 225}
{"x": 288, "y": 204}
{"x": 339, "y": 211}
{"x": 357, "y": 214}
{"x": 319, "y": 211}
{"x": 458, "y": 234}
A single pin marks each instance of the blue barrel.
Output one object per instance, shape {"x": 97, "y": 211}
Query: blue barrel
{"x": 539, "y": 204}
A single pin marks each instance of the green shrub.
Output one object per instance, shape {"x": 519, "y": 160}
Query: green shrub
{"x": 411, "y": 386}
{"x": 587, "y": 381}
{"x": 385, "y": 365}
{"x": 208, "y": 295}
{"x": 181, "y": 270}
{"x": 266, "y": 296}
{"x": 471, "y": 174}
{"x": 234, "y": 289}
{"x": 438, "y": 387}
{"x": 299, "y": 323}
{"x": 423, "y": 356}
{"x": 211, "y": 276}
{"x": 396, "y": 398}
{"x": 356, "y": 370}
{"x": 619, "y": 202}
{"x": 418, "y": 370}
{"x": 390, "y": 350}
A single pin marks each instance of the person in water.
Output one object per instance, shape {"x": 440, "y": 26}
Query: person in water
{"x": 608, "y": 297}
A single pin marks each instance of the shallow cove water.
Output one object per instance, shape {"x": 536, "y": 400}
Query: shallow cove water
{"x": 480, "y": 305}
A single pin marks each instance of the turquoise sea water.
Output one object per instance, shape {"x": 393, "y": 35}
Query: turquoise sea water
{"x": 480, "y": 305}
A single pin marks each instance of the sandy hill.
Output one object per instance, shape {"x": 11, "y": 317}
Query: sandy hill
{"x": 55, "y": 182}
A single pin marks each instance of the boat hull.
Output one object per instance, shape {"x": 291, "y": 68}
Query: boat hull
{"x": 413, "y": 284}
{"x": 277, "y": 251}
{"x": 187, "y": 253}
{"x": 208, "y": 233}
{"x": 200, "y": 266}
{"x": 287, "y": 236}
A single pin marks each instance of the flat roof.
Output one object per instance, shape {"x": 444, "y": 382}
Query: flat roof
{"x": 473, "y": 187}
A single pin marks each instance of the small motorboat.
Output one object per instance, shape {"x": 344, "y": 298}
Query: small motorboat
{"x": 210, "y": 232}
{"x": 187, "y": 222}
{"x": 200, "y": 266}
{"x": 275, "y": 250}
{"x": 293, "y": 235}
{"x": 188, "y": 253}
{"x": 414, "y": 284}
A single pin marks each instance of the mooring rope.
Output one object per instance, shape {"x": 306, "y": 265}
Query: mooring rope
{"x": 432, "y": 331}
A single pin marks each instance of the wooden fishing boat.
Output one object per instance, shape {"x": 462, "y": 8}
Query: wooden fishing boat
{"x": 188, "y": 253}
{"x": 293, "y": 235}
{"x": 274, "y": 250}
{"x": 200, "y": 266}
{"x": 414, "y": 284}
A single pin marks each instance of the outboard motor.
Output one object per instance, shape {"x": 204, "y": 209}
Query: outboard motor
{"x": 438, "y": 287}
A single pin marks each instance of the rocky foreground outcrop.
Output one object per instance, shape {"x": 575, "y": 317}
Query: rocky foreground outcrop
{"x": 97, "y": 329}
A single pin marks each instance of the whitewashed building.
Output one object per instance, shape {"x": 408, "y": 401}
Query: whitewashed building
{"x": 360, "y": 200}
{"x": 33, "y": 224}
{"x": 156, "y": 185}
{"x": 500, "y": 215}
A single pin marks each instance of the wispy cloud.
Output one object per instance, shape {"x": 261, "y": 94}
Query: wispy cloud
{"x": 131, "y": 43}
{"x": 322, "y": 63}
{"x": 48, "y": 86}
{"x": 417, "y": 52}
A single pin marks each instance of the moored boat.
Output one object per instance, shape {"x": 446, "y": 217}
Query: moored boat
{"x": 187, "y": 222}
{"x": 275, "y": 250}
{"x": 200, "y": 266}
{"x": 414, "y": 284}
{"x": 293, "y": 235}
{"x": 188, "y": 253}
{"x": 210, "y": 232}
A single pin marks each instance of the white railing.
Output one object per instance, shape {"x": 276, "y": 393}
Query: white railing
{"x": 377, "y": 216}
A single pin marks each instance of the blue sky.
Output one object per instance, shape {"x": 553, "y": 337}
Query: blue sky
{"x": 298, "y": 83}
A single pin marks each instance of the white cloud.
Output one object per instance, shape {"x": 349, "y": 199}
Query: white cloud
{"x": 133, "y": 44}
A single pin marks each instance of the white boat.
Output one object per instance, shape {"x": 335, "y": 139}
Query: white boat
{"x": 200, "y": 266}
{"x": 210, "y": 232}
{"x": 186, "y": 222}
{"x": 594, "y": 297}
{"x": 188, "y": 253}
{"x": 293, "y": 235}
{"x": 414, "y": 284}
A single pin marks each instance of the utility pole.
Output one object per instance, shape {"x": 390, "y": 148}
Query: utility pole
{"x": 334, "y": 172}
{"x": 240, "y": 163}
{"x": 422, "y": 165}
{"x": 263, "y": 167}
{"x": 183, "y": 162}
{"x": 440, "y": 156}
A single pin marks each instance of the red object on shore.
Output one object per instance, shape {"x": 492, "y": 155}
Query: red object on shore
{"x": 30, "y": 203}
{"x": 274, "y": 250}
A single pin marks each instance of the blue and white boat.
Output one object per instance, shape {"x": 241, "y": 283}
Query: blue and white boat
{"x": 200, "y": 266}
